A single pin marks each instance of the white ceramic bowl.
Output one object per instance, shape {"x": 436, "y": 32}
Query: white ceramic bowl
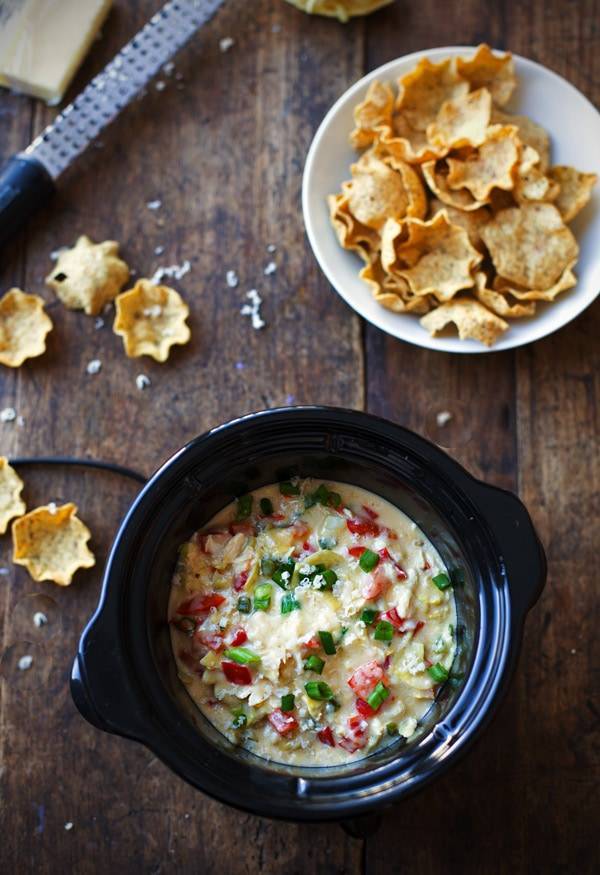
{"x": 574, "y": 127}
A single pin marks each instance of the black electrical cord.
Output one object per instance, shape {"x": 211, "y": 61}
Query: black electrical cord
{"x": 21, "y": 461}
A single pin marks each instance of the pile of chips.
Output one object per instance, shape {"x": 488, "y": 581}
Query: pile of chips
{"x": 340, "y": 9}
{"x": 453, "y": 205}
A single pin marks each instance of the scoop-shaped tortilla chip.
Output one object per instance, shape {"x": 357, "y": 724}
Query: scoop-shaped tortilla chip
{"x": 436, "y": 177}
{"x": 151, "y": 319}
{"x": 343, "y": 10}
{"x": 374, "y": 111}
{"x": 406, "y": 143}
{"x": 471, "y": 318}
{"x": 463, "y": 121}
{"x": 530, "y": 245}
{"x": 51, "y": 543}
{"x": 437, "y": 257}
{"x": 424, "y": 89}
{"x": 530, "y": 133}
{"x": 392, "y": 292}
{"x": 490, "y": 166}
{"x": 23, "y": 327}
{"x": 487, "y": 70}
{"x": 471, "y": 220}
{"x": 89, "y": 275}
{"x": 382, "y": 189}
{"x": 351, "y": 233}
{"x": 565, "y": 281}
{"x": 498, "y": 302}
{"x": 575, "y": 189}
{"x": 11, "y": 503}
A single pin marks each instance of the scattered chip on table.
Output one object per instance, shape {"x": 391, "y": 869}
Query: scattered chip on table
{"x": 151, "y": 319}
{"x": 89, "y": 275}
{"x": 24, "y": 325}
{"x": 51, "y": 542}
{"x": 11, "y": 503}
{"x": 340, "y": 9}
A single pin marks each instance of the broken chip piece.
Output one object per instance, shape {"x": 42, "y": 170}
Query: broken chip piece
{"x": 24, "y": 325}
{"x": 151, "y": 319}
{"x": 471, "y": 318}
{"x": 11, "y": 503}
{"x": 51, "y": 543}
{"x": 89, "y": 275}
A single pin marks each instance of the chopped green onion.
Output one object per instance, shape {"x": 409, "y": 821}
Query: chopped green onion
{"x": 378, "y": 696}
{"x": 281, "y": 569}
{"x": 289, "y": 603}
{"x": 314, "y": 663}
{"x": 392, "y": 729}
{"x": 329, "y": 578}
{"x": 442, "y": 581}
{"x": 288, "y": 702}
{"x": 319, "y": 690}
{"x": 244, "y": 507}
{"x": 262, "y": 597}
{"x": 239, "y": 718}
{"x": 368, "y": 616}
{"x": 334, "y": 499}
{"x": 267, "y": 567}
{"x": 266, "y": 506}
{"x": 384, "y": 631}
{"x": 243, "y": 655}
{"x": 438, "y": 673}
{"x": 327, "y": 543}
{"x": 322, "y": 494}
{"x": 327, "y": 642}
{"x": 244, "y": 604}
{"x": 289, "y": 488}
{"x": 369, "y": 560}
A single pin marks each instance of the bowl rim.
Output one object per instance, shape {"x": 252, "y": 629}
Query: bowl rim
{"x": 377, "y": 318}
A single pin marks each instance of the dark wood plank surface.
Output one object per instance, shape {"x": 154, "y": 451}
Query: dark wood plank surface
{"x": 223, "y": 148}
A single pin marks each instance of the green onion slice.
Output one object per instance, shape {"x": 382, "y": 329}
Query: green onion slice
{"x": 318, "y": 690}
{"x": 438, "y": 673}
{"x": 288, "y": 702}
{"x": 244, "y": 604}
{"x": 369, "y": 560}
{"x": 329, "y": 578}
{"x": 392, "y": 729}
{"x": 266, "y": 506}
{"x": 368, "y": 616}
{"x": 327, "y": 642}
{"x": 244, "y": 507}
{"x": 289, "y": 488}
{"x": 314, "y": 663}
{"x": 262, "y": 597}
{"x": 289, "y": 603}
{"x": 239, "y": 718}
{"x": 378, "y": 696}
{"x": 442, "y": 581}
{"x": 243, "y": 655}
{"x": 384, "y": 631}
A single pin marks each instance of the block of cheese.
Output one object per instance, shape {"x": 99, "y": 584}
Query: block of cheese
{"x": 42, "y": 43}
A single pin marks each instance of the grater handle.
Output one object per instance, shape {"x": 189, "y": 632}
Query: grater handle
{"x": 25, "y": 185}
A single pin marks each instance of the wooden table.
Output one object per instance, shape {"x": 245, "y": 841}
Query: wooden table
{"x": 223, "y": 147}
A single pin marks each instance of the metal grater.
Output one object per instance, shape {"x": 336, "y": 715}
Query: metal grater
{"x": 28, "y": 179}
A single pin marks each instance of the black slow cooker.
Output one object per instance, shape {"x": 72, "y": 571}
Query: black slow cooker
{"x": 124, "y": 678}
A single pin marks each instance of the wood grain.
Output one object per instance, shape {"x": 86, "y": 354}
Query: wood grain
{"x": 223, "y": 148}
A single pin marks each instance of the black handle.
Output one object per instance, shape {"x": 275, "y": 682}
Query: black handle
{"x": 25, "y": 185}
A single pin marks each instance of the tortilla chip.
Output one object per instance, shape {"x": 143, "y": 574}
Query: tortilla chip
{"x": 23, "y": 327}
{"x": 11, "y": 503}
{"x": 530, "y": 133}
{"x": 413, "y": 185}
{"x": 51, "y": 543}
{"x": 151, "y": 319}
{"x": 471, "y": 318}
{"x": 530, "y": 245}
{"x": 423, "y": 91}
{"x": 406, "y": 143}
{"x": 378, "y": 191}
{"x": 566, "y": 281}
{"x": 437, "y": 257}
{"x": 497, "y": 302}
{"x": 490, "y": 166}
{"x": 374, "y": 111}
{"x": 436, "y": 177}
{"x": 343, "y": 10}
{"x": 350, "y": 232}
{"x": 575, "y": 189}
{"x": 531, "y": 183}
{"x": 89, "y": 275}
{"x": 487, "y": 70}
{"x": 471, "y": 220}
{"x": 462, "y": 122}
{"x": 392, "y": 292}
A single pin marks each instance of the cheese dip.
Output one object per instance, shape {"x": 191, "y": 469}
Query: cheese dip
{"x": 311, "y": 622}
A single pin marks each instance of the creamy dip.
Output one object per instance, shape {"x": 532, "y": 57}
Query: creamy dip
{"x": 311, "y": 622}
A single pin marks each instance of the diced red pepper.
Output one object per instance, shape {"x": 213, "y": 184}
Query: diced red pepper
{"x": 370, "y": 512}
{"x": 419, "y": 625}
{"x": 362, "y": 527}
{"x": 307, "y": 547}
{"x": 239, "y": 636}
{"x": 393, "y": 617}
{"x": 349, "y": 744}
{"x": 400, "y": 572}
{"x": 278, "y": 517}
{"x": 212, "y": 640}
{"x": 282, "y": 722}
{"x": 240, "y": 580}
{"x": 363, "y": 708}
{"x": 376, "y": 585}
{"x": 311, "y": 644}
{"x": 384, "y": 554}
{"x": 365, "y": 677}
{"x": 200, "y": 604}
{"x": 242, "y": 528}
{"x": 356, "y": 737}
{"x": 356, "y": 551}
{"x": 325, "y": 735}
{"x": 426, "y": 566}
{"x": 387, "y": 662}
{"x": 236, "y": 674}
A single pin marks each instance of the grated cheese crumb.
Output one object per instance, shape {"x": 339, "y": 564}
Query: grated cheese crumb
{"x": 158, "y": 250}
{"x": 40, "y": 619}
{"x": 160, "y": 85}
{"x": 253, "y": 309}
{"x": 443, "y": 418}
{"x": 94, "y": 367}
{"x": 52, "y": 507}
{"x": 154, "y": 205}
{"x": 25, "y": 662}
{"x": 231, "y": 278}
{"x": 68, "y": 825}
{"x": 153, "y": 312}
{"x": 9, "y": 414}
{"x": 271, "y": 247}
{"x": 142, "y": 381}
{"x": 226, "y": 43}
{"x": 270, "y": 268}
{"x": 99, "y": 323}
{"x": 176, "y": 271}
